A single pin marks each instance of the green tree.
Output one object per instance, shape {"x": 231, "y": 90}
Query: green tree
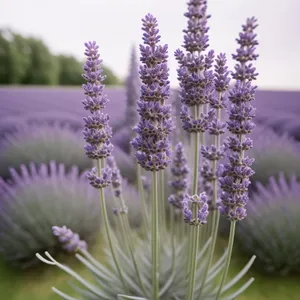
{"x": 70, "y": 70}
{"x": 8, "y": 58}
{"x": 43, "y": 66}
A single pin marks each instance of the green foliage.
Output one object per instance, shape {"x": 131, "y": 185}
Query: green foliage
{"x": 31, "y": 204}
{"x": 70, "y": 70}
{"x": 8, "y": 58}
{"x": 43, "y": 68}
{"x": 28, "y": 60}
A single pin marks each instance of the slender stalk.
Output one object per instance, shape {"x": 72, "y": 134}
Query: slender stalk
{"x": 214, "y": 223}
{"x": 162, "y": 201}
{"x": 194, "y": 229}
{"x": 228, "y": 258}
{"x": 142, "y": 195}
{"x": 130, "y": 242}
{"x": 172, "y": 229}
{"x": 155, "y": 240}
{"x": 107, "y": 228}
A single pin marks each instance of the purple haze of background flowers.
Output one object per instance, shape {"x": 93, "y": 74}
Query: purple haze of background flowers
{"x": 180, "y": 171}
{"x": 152, "y": 143}
{"x": 235, "y": 178}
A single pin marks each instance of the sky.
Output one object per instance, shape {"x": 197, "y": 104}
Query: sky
{"x": 65, "y": 25}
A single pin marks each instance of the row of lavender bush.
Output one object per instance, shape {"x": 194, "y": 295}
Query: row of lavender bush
{"x": 47, "y": 190}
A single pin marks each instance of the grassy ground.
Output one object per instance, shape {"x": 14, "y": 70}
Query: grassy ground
{"x": 36, "y": 284}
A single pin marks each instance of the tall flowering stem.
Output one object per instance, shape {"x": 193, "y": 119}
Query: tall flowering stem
{"x": 97, "y": 134}
{"x": 235, "y": 178}
{"x": 179, "y": 187}
{"x": 122, "y": 212}
{"x": 196, "y": 86}
{"x": 152, "y": 141}
{"x": 215, "y": 152}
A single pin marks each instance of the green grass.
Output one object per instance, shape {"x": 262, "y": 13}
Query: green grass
{"x": 36, "y": 284}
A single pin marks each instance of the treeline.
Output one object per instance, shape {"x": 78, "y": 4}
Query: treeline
{"x": 28, "y": 60}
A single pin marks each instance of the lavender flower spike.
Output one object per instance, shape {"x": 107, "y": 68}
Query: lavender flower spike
{"x": 97, "y": 132}
{"x": 70, "y": 241}
{"x": 152, "y": 141}
{"x": 180, "y": 171}
{"x": 235, "y": 178}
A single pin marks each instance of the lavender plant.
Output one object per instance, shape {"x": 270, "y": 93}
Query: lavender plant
{"x": 37, "y": 198}
{"x": 274, "y": 241}
{"x": 41, "y": 145}
{"x": 173, "y": 261}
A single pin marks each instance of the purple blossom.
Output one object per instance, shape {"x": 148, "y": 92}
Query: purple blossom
{"x": 236, "y": 173}
{"x": 152, "y": 141}
{"x": 116, "y": 178}
{"x": 180, "y": 171}
{"x": 194, "y": 74}
{"x": 201, "y": 207}
{"x": 100, "y": 182}
{"x": 97, "y": 132}
{"x": 70, "y": 241}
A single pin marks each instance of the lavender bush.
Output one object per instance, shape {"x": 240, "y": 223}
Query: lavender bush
{"x": 273, "y": 154}
{"x": 270, "y": 230}
{"x": 172, "y": 260}
{"x": 41, "y": 144}
{"x": 37, "y": 198}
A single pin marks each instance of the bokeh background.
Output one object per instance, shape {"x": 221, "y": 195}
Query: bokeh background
{"x": 42, "y": 162}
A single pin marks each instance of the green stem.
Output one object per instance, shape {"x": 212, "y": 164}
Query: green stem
{"x": 194, "y": 242}
{"x": 214, "y": 222}
{"x": 228, "y": 258}
{"x": 142, "y": 195}
{"x": 155, "y": 240}
{"x": 107, "y": 229}
{"x": 162, "y": 201}
{"x": 172, "y": 229}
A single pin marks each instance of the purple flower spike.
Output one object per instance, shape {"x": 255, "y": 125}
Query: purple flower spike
{"x": 196, "y": 80}
{"x": 201, "y": 206}
{"x": 152, "y": 141}
{"x": 97, "y": 132}
{"x": 180, "y": 172}
{"x": 236, "y": 173}
{"x": 70, "y": 241}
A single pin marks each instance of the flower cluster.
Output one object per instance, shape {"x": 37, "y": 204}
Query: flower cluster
{"x": 97, "y": 132}
{"x": 180, "y": 171}
{"x": 189, "y": 202}
{"x": 152, "y": 142}
{"x": 70, "y": 241}
{"x": 235, "y": 178}
{"x": 194, "y": 74}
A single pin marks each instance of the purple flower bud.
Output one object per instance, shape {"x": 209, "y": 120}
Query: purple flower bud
{"x": 201, "y": 207}
{"x": 100, "y": 182}
{"x": 70, "y": 241}
{"x": 116, "y": 177}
